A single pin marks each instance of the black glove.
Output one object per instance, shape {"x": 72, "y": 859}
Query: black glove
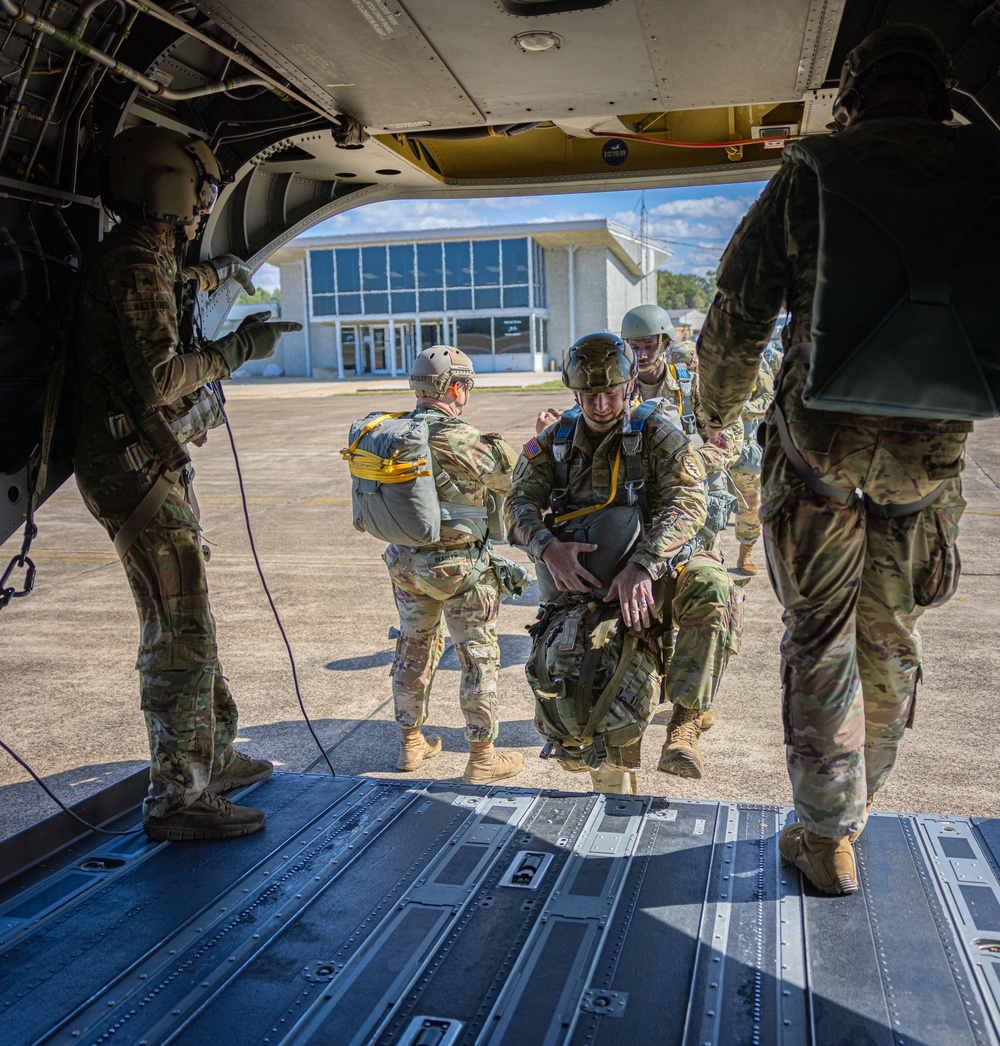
{"x": 254, "y": 339}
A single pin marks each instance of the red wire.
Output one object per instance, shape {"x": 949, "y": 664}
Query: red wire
{"x": 694, "y": 145}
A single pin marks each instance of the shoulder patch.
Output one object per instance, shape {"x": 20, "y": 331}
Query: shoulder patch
{"x": 666, "y": 438}
{"x": 531, "y": 448}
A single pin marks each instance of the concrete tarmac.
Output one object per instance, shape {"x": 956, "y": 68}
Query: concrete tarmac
{"x": 70, "y": 695}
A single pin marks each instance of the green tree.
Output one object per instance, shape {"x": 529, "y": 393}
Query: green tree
{"x": 261, "y": 295}
{"x": 680, "y": 290}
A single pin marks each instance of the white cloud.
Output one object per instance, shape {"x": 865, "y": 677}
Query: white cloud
{"x": 706, "y": 207}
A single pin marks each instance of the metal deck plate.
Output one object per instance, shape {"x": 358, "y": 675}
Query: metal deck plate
{"x": 430, "y": 915}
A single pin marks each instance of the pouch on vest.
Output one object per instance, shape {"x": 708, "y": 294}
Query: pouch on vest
{"x": 393, "y": 492}
{"x": 616, "y": 530}
{"x": 904, "y": 314}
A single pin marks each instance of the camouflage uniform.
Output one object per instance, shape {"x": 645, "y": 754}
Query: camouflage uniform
{"x": 675, "y": 488}
{"x": 853, "y": 586}
{"x": 748, "y": 483}
{"x": 128, "y": 333}
{"x": 431, "y": 581}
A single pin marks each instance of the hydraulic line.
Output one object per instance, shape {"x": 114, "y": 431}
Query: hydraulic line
{"x": 697, "y": 145}
{"x": 152, "y": 87}
{"x": 14, "y": 110}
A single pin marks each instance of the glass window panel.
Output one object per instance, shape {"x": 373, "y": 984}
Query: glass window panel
{"x": 431, "y": 301}
{"x": 474, "y": 336}
{"x": 321, "y": 270}
{"x": 350, "y": 304}
{"x": 324, "y": 305}
{"x": 458, "y": 265}
{"x": 430, "y": 272}
{"x": 376, "y": 303}
{"x": 512, "y": 333}
{"x": 373, "y": 271}
{"x": 486, "y": 262}
{"x": 348, "y": 273}
{"x": 515, "y": 261}
{"x": 515, "y": 297}
{"x": 487, "y": 297}
{"x": 541, "y": 297}
{"x": 404, "y": 301}
{"x": 459, "y": 299}
{"x": 402, "y": 275}
{"x": 430, "y": 334}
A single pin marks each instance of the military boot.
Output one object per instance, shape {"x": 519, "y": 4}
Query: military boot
{"x": 241, "y": 771}
{"x": 868, "y": 809}
{"x": 208, "y": 817}
{"x": 706, "y": 720}
{"x": 416, "y": 748}
{"x": 827, "y": 863}
{"x": 680, "y": 753}
{"x": 486, "y": 765}
{"x": 743, "y": 561}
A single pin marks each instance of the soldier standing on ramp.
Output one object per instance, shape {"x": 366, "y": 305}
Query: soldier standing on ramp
{"x": 454, "y": 577}
{"x": 143, "y": 378}
{"x": 861, "y": 493}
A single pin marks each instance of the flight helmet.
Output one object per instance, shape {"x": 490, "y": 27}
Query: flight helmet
{"x": 157, "y": 174}
{"x": 599, "y": 363}
{"x": 437, "y": 367}
{"x": 895, "y": 50}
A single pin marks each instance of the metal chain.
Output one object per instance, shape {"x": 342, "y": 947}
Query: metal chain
{"x": 20, "y": 561}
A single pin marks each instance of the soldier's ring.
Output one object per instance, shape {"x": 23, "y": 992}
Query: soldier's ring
{"x": 644, "y": 603}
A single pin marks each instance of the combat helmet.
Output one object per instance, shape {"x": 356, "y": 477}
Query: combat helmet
{"x": 437, "y": 367}
{"x": 684, "y": 352}
{"x": 897, "y": 49}
{"x": 599, "y": 362}
{"x": 647, "y": 321}
{"x": 158, "y": 174}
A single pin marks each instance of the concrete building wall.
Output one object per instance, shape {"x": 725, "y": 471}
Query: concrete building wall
{"x": 557, "y": 284}
{"x": 591, "y": 290}
{"x": 292, "y": 347}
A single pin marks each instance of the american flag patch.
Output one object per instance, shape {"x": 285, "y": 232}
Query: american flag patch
{"x": 531, "y": 448}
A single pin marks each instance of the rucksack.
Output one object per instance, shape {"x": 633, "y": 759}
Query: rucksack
{"x": 398, "y": 493}
{"x": 596, "y": 682}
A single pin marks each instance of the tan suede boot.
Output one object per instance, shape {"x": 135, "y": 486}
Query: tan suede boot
{"x": 743, "y": 561}
{"x": 680, "y": 753}
{"x": 486, "y": 765}
{"x": 827, "y": 863}
{"x": 707, "y": 720}
{"x": 416, "y": 748}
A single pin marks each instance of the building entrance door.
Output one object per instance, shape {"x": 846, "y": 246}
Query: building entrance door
{"x": 375, "y": 341}
{"x": 430, "y": 333}
{"x": 404, "y": 349}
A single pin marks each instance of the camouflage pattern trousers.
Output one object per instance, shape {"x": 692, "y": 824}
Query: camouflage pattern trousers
{"x": 852, "y": 587}
{"x": 190, "y": 714}
{"x": 431, "y": 588}
{"x": 748, "y": 520}
{"x": 707, "y": 612}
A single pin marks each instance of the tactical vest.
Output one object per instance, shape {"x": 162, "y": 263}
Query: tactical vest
{"x": 904, "y": 313}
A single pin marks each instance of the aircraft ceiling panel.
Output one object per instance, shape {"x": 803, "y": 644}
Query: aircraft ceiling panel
{"x": 364, "y": 59}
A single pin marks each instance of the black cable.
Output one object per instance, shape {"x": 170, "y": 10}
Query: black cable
{"x": 76, "y": 817}
{"x": 267, "y": 592}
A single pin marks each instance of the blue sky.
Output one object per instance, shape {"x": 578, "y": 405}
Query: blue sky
{"x": 696, "y": 221}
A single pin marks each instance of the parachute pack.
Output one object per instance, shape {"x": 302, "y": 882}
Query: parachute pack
{"x": 919, "y": 266}
{"x": 399, "y": 494}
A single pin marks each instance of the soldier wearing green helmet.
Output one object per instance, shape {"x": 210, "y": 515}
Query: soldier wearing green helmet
{"x": 455, "y": 582}
{"x": 608, "y": 502}
{"x": 145, "y": 380}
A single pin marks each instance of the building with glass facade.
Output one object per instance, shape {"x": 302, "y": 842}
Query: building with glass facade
{"x": 512, "y": 297}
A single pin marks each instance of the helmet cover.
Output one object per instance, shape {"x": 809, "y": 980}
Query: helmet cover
{"x": 599, "y": 363}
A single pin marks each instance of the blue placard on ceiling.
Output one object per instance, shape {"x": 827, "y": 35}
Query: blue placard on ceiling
{"x": 614, "y": 152}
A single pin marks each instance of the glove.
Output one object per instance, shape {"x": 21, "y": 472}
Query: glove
{"x": 214, "y": 273}
{"x": 255, "y": 339}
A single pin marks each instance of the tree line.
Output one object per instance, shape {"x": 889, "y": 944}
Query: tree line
{"x": 683, "y": 290}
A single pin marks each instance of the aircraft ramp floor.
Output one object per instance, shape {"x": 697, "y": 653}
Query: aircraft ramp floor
{"x": 432, "y": 914}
